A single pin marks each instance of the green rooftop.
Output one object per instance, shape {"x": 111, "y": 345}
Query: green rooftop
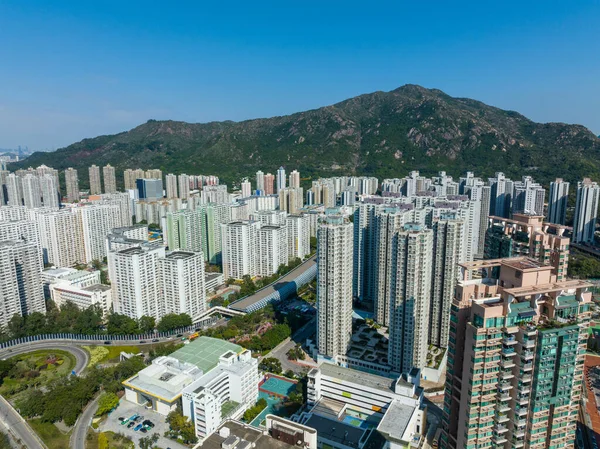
{"x": 204, "y": 352}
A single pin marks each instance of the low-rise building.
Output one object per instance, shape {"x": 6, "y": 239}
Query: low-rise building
{"x": 82, "y": 297}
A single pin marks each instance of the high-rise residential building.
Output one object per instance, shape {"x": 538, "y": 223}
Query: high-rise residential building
{"x": 298, "y": 235}
{"x": 246, "y": 188}
{"x": 97, "y": 221}
{"x": 528, "y": 197}
{"x": 110, "y": 179}
{"x": 186, "y": 229}
{"x": 14, "y": 190}
{"x": 95, "y": 185}
{"x": 72, "y": 183}
{"x": 183, "y": 182}
{"x": 19, "y": 229}
{"x": 269, "y": 181}
{"x": 120, "y": 199}
{"x": 131, "y": 176}
{"x": 281, "y": 179}
{"x": 291, "y": 200}
{"x": 214, "y": 216}
{"x": 50, "y": 191}
{"x": 239, "y": 243}
{"x": 149, "y": 189}
{"x": 272, "y": 249}
{"x": 515, "y": 359}
{"x": 410, "y": 298}
{"x": 295, "y": 179}
{"x": 32, "y": 194}
{"x": 153, "y": 173}
{"x": 61, "y": 237}
{"x": 44, "y": 170}
{"x": 182, "y": 283}
{"x": 500, "y": 195}
{"x": 21, "y": 289}
{"x": 137, "y": 281}
{"x": 557, "y": 203}
{"x": 586, "y": 211}
{"x": 527, "y": 235}
{"x": 448, "y": 251}
{"x": 215, "y": 194}
{"x": 334, "y": 286}
{"x": 260, "y": 182}
{"x": 171, "y": 185}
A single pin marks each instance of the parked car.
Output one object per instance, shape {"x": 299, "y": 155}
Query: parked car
{"x": 138, "y": 427}
{"x": 142, "y": 342}
{"x": 124, "y": 421}
{"x": 131, "y": 424}
{"x": 143, "y": 430}
{"x": 155, "y": 340}
{"x": 108, "y": 342}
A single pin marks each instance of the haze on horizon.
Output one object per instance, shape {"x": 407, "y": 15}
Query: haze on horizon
{"x": 72, "y": 70}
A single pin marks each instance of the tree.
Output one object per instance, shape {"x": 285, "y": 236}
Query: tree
{"x": 121, "y": 325}
{"x": 102, "y": 441}
{"x": 149, "y": 441}
{"x": 181, "y": 426}
{"x": 16, "y": 326}
{"x": 174, "y": 321}
{"x": 107, "y": 402}
{"x": 147, "y": 324}
{"x": 255, "y": 410}
{"x": 271, "y": 365}
{"x": 96, "y": 264}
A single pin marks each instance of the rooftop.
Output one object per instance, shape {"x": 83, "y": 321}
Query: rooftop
{"x": 335, "y": 430}
{"x": 547, "y": 288}
{"x": 357, "y": 377}
{"x": 396, "y": 419}
{"x": 204, "y": 352}
{"x": 247, "y": 433}
{"x": 177, "y": 255}
{"x": 97, "y": 288}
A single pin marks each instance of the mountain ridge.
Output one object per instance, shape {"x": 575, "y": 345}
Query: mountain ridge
{"x": 384, "y": 134}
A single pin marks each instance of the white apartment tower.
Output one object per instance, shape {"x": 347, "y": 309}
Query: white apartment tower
{"x": 32, "y": 194}
{"x": 586, "y": 211}
{"x": 171, "y": 185}
{"x": 97, "y": 221}
{"x": 272, "y": 249}
{"x": 110, "y": 179}
{"x": 298, "y": 234}
{"x": 183, "y": 183}
{"x": 246, "y": 188}
{"x": 280, "y": 179}
{"x": 50, "y": 193}
{"x": 182, "y": 283}
{"x": 95, "y": 185}
{"x": 60, "y": 237}
{"x": 334, "y": 286}
{"x": 21, "y": 288}
{"x": 448, "y": 252}
{"x": 137, "y": 281}
{"x": 72, "y": 182}
{"x": 260, "y": 182}
{"x": 239, "y": 241}
{"x": 295, "y": 179}
{"x": 557, "y": 203}
{"x": 14, "y": 190}
{"x": 410, "y": 298}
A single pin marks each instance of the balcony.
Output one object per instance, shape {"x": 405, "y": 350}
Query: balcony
{"x": 526, "y": 378}
{"x": 527, "y": 355}
{"x": 527, "y": 367}
{"x": 504, "y": 397}
{"x": 519, "y": 433}
{"x": 499, "y": 439}
{"x": 504, "y": 375}
{"x": 507, "y": 363}
{"x": 500, "y": 418}
{"x": 523, "y": 400}
{"x": 509, "y": 340}
{"x": 508, "y": 351}
{"x": 500, "y": 429}
{"x": 521, "y": 423}
{"x": 524, "y": 389}
{"x": 521, "y": 411}
{"x": 529, "y": 343}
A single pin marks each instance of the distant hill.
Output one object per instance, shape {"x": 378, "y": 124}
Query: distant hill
{"x": 384, "y": 134}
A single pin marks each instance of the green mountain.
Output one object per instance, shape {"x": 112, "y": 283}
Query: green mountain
{"x": 384, "y": 134}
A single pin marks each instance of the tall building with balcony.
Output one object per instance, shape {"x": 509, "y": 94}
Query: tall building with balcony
{"x": 528, "y": 235}
{"x": 95, "y": 185}
{"x": 334, "y": 286}
{"x": 72, "y": 182}
{"x": 515, "y": 360}
{"x": 182, "y": 283}
{"x": 586, "y": 211}
{"x": 240, "y": 248}
{"x": 280, "y": 179}
{"x": 557, "y": 203}
{"x": 110, "y": 179}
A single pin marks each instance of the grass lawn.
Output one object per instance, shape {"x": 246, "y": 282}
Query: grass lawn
{"x": 50, "y": 434}
{"x": 114, "y": 441}
{"x": 36, "y": 368}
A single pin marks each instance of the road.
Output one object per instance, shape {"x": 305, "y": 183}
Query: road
{"x": 17, "y": 426}
{"x": 83, "y": 423}
{"x": 81, "y": 356}
{"x": 281, "y": 350}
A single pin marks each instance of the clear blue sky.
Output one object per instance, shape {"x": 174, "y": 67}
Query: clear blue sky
{"x": 73, "y": 69}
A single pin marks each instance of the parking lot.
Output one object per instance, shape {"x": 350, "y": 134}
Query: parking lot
{"x": 126, "y": 410}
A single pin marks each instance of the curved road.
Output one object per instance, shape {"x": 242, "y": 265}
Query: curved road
{"x": 14, "y": 422}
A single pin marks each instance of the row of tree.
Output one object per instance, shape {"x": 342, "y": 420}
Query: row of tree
{"x": 65, "y": 399}
{"x": 71, "y": 319}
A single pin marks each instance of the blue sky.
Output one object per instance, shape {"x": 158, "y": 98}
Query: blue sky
{"x": 72, "y": 69}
